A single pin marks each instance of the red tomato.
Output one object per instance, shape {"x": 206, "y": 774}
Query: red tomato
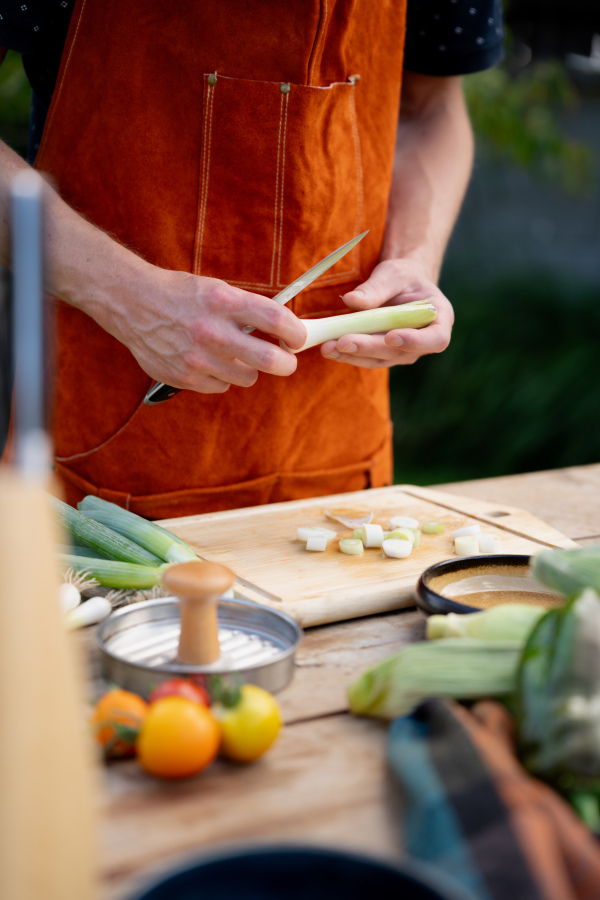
{"x": 180, "y": 687}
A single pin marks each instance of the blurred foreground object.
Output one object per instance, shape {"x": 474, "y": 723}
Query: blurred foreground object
{"x": 470, "y": 809}
{"x": 46, "y": 822}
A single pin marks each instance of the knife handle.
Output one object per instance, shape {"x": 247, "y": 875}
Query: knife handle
{"x": 159, "y": 393}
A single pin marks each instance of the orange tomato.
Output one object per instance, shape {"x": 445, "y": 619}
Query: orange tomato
{"x": 180, "y": 687}
{"x": 116, "y": 721}
{"x": 178, "y": 739}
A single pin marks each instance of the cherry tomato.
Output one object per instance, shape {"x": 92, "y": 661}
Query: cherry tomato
{"x": 116, "y": 721}
{"x": 250, "y": 726}
{"x": 180, "y": 687}
{"x": 178, "y": 739}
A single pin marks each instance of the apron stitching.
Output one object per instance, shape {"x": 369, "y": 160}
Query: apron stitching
{"x": 359, "y": 171}
{"x": 287, "y": 97}
{"x": 322, "y": 26}
{"x": 276, "y": 193}
{"x": 60, "y": 87}
{"x": 206, "y": 173}
{"x": 104, "y": 443}
{"x": 202, "y": 171}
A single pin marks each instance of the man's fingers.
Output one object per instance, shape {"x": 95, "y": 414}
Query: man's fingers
{"x": 270, "y": 317}
{"x": 432, "y": 339}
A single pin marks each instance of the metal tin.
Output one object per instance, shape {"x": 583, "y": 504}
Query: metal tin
{"x": 138, "y": 645}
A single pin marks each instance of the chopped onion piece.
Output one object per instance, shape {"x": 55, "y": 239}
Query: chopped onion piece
{"x": 466, "y": 545}
{"x": 433, "y": 527}
{"x": 397, "y": 548}
{"x": 401, "y": 534}
{"x": 372, "y": 535}
{"x": 404, "y": 522}
{"x": 306, "y": 533}
{"x": 488, "y": 543}
{"x": 348, "y": 521}
{"x": 463, "y": 532}
{"x": 352, "y": 546}
{"x": 357, "y": 534}
{"x": 316, "y": 543}
{"x": 416, "y": 533}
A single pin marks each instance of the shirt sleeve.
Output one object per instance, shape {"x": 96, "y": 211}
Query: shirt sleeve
{"x": 453, "y": 37}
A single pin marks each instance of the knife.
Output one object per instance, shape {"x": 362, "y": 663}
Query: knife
{"x": 161, "y": 392}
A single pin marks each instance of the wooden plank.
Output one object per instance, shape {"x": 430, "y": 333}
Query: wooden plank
{"x": 568, "y": 499}
{"x": 259, "y": 544}
{"x": 324, "y": 782}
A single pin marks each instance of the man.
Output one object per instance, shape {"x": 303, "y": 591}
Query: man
{"x": 207, "y": 156}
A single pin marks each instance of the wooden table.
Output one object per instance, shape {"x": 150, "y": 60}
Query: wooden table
{"x": 325, "y": 781}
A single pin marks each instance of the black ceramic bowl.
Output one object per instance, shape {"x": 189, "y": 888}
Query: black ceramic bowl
{"x": 303, "y": 873}
{"x": 434, "y": 579}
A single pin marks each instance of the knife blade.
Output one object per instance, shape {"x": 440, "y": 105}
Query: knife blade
{"x": 160, "y": 392}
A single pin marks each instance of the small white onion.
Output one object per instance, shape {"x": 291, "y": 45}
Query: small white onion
{"x": 306, "y": 533}
{"x": 317, "y": 543}
{"x": 352, "y": 546}
{"x": 94, "y": 610}
{"x": 463, "y": 532}
{"x": 466, "y": 545}
{"x": 69, "y": 596}
{"x": 372, "y": 535}
{"x": 488, "y": 543}
{"x": 404, "y": 522}
{"x": 397, "y": 548}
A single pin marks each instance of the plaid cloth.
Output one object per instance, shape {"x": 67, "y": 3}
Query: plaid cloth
{"x": 471, "y": 809}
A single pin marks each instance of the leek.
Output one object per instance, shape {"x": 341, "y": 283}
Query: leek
{"x": 367, "y": 321}
{"x": 352, "y": 546}
{"x": 86, "y": 530}
{"x": 80, "y": 550}
{"x": 397, "y": 548}
{"x": 467, "y": 545}
{"x": 113, "y": 573}
{"x": 372, "y": 535}
{"x": 465, "y": 670}
{"x": 433, "y": 527}
{"x": 568, "y": 571}
{"x": 158, "y": 541}
{"x": 505, "y": 622}
{"x": 403, "y": 522}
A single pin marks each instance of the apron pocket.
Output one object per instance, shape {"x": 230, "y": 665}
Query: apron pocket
{"x": 280, "y": 183}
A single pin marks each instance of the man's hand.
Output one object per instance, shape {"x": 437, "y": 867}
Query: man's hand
{"x": 187, "y": 331}
{"x": 392, "y": 282}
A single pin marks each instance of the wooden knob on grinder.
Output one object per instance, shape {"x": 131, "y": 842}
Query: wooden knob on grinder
{"x": 198, "y": 585}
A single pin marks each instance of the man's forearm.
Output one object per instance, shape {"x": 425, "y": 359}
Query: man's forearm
{"x": 434, "y": 155}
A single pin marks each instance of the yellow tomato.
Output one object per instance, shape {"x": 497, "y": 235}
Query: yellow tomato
{"x": 179, "y": 738}
{"x": 250, "y": 727}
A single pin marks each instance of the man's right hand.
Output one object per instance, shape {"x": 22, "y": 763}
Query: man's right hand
{"x": 183, "y": 330}
{"x": 187, "y": 330}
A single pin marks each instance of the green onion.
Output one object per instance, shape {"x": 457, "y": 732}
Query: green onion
{"x": 93, "y": 534}
{"x": 465, "y": 670}
{"x": 352, "y": 546}
{"x": 112, "y": 573}
{"x": 367, "y": 321}
{"x": 568, "y": 571}
{"x": 153, "y": 538}
{"x": 433, "y": 527}
{"x": 505, "y": 622}
{"x": 357, "y": 534}
{"x": 79, "y": 550}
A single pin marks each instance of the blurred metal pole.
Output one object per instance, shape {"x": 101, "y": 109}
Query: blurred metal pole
{"x": 6, "y": 362}
{"x": 31, "y": 443}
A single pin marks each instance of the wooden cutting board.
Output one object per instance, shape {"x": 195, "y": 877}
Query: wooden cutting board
{"x": 272, "y": 567}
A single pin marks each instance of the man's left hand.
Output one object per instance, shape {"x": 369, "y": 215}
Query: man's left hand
{"x": 392, "y": 282}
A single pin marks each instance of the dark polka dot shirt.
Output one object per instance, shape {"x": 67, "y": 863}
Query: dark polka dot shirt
{"x": 453, "y": 37}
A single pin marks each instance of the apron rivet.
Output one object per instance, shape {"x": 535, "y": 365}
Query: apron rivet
{"x": 212, "y": 79}
{"x": 285, "y": 88}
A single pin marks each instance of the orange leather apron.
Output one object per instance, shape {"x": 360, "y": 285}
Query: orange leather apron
{"x": 233, "y": 140}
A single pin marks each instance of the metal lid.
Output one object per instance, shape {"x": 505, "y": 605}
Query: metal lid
{"x": 139, "y": 643}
